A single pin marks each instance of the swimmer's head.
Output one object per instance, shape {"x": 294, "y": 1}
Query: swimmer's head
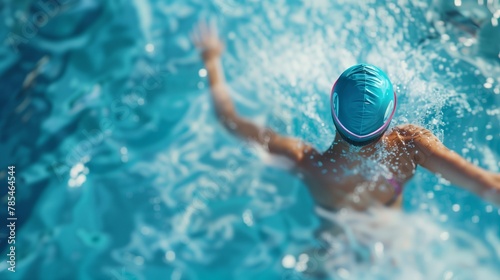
{"x": 363, "y": 103}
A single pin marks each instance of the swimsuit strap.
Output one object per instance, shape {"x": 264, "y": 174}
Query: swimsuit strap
{"x": 397, "y": 187}
{"x": 397, "y": 191}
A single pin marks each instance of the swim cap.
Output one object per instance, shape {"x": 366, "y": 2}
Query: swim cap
{"x": 363, "y": 103}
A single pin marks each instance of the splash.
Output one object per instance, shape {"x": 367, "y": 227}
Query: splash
{"x": 167, "y": 193}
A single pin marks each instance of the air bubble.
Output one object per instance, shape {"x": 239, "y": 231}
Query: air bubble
{"x": 248, "y": 218}
{"x": 449, "y": 274}
{"x": 146, "y": 230}
{"x": 138, "y": 260}
{"x": 150, "y": 48}
{"x": 444, "y": 236}
{"x": 475, "y": 219}
{"x": 343, "y": 273}
{"x": 288, "y": 261}
{"x": 170, "y": 256}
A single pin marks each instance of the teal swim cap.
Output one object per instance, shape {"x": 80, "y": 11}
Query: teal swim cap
{"x": 363, "y": 103}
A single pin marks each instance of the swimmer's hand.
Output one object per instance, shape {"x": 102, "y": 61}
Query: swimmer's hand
{"x": 205, "y": 37}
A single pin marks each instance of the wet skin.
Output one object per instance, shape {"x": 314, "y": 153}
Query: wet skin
{"x": 340, "y": 177}
{"x": 345, "y": 176}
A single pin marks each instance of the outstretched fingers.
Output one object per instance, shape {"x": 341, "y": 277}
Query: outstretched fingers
{"x": 205, "y": 37}
{"x": 200, "y": 34}
{"x": 204, "y": 31}
{"x": 195, "y": 38}
{"x": 214, "y": 32}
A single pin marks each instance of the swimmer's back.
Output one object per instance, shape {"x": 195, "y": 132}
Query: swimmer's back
{"x": 334, "y": 175}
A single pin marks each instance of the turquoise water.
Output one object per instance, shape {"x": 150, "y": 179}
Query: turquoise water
{"x": 124, "y": 172}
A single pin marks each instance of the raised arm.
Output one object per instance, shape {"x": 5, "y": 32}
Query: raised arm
{"x": 430, "y": 153}
{"x": 206, "y": 39}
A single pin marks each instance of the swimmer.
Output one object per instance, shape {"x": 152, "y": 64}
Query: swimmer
{"x": 363, "y": 102}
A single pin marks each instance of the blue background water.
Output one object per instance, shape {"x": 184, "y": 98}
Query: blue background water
{"x": 124, "y": 172}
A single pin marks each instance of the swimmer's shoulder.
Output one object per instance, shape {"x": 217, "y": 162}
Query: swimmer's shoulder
{"x": 416, "y": 141}
{"x": 407, "y": 133}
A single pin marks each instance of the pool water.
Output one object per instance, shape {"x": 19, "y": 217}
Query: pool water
{"x": 125, "y": 173}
